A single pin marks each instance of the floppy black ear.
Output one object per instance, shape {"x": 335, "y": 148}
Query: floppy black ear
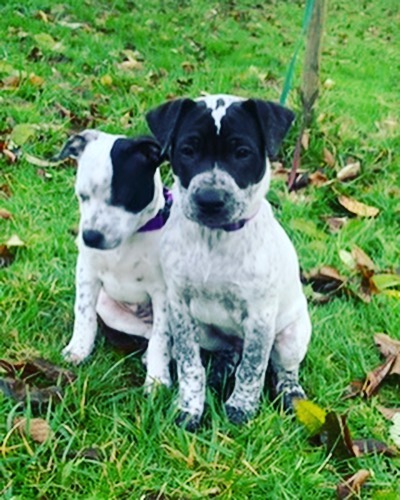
{"x": 76, "y": 144}
{"x": 275, "y": 121}
{"x": 163, "y": 120}
{"x": 150, "y": 148}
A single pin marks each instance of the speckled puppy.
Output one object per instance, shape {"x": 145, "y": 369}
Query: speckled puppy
{"x": 231, "y": 270}
{"x": 118, "y": 269}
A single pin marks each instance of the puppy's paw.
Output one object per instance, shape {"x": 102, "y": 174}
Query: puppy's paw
{"x": 187, "y": 421}
{"x": 289, "y": 395}
{"x": 237, "y": 416}
{"x": 74, "y": 354}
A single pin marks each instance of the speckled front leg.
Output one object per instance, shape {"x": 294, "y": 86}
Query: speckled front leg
{"x": 158, "y": 351}
{"x": 191, "y": 373}
{"x": 250, "y": 375}
{"x": 85, "y": 323}
{"x": 289, "y": 349}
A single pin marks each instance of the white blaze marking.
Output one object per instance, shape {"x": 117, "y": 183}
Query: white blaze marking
{"x": 218, "y": 112}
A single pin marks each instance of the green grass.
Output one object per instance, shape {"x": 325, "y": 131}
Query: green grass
{"x": 186, "y": 47}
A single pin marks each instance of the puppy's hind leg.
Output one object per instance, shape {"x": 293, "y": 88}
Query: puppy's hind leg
{"x": 289, "y": 349}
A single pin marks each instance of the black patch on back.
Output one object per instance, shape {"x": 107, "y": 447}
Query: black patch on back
{"x": 134, "y": 164}
{"x": 220, "y": 102}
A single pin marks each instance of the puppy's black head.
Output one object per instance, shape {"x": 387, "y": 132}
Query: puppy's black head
{"x": 236, "y": 136}
{"x": 134, "y": 163}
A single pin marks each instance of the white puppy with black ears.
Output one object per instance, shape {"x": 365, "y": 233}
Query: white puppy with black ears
{"x": 232, "y": 272}
{"x": 123, "y": 208}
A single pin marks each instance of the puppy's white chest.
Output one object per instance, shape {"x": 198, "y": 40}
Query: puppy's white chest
{"x": 127, "y": 273}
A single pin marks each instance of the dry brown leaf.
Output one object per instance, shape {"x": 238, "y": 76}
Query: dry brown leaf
{"x": 36, "y": 80}
{"x": 389, "y": 347}
{"x": 36, "y": 428}
{"x": 358, "y": 208}
{"x": 351, "y": 486}
{"x": 6, "y": 257}
{"x": 318, "y": 178}
{"x": 362, "y": 260}
{"x": 305, "y": 139}
{"x": 377, "y": 376}
{"x": 329, "y": 159}
{"x": 336, "y": 223}
{"x": 5, "y": 214}
{"x": 5, "y": 191}
{"x": 326, "y": 279}
{"x": 386, "y": 345}
{"x": 353, "y": 389}
{"x": 368, "y": 446}
{"x": 349, "y": 172}
{"x": 388, "y": 413}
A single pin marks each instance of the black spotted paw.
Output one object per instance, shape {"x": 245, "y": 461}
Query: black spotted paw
{"x": 289, "y": 396}
{"x": 236, "y": 415}
{"x": 187, "y": 421}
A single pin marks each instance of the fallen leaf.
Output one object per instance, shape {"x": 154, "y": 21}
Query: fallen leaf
{"x": 358, "y": 208}
{"x": 363, "y": 262}
{"x": 38, "y": 162}
{"x": 329, "y": 159}
{"x": 36, "y": 428}
{"x": 318, "y": 179}
{"x": 23, "y": 392}
{"x": 389, "y": 347}
{"x": 5, "y": 190}
{"x": 336, "y": 223}
{"x": 386, "y": 280}
{"x": 336, "y": 435}
{"x": 22, "y": 133}
{"x": 11, "y": 82}
{"x": 351, "y": 486}
{"x": 6, "y": 257}
{"x": 388, "y": 413}
{"x": 14, "y": 241}
{"x": 188, "y": 67}
{"x": 349, "y": 172}
{"x": 36, "y": 80}
{"x": 5, "y": 214}
{"x": 326, "y": 279}
{"x": 37, "y": 368}
{"x": 347, "y": 259}
{"x": 47, "y": 42}
{"x": 33, "y": 381}
{"x": 305, "y": 139}
{"x": 309, "y": 228}
{"x": 106, "y": 80}
{"x": 369, "y": 446}
{"x": 386, "y": 345}
{"x": 354, "y": 389}
{"x": 395, "y": 430}
{"x": 74, "y": 26}
{"x": 376, "y": 377}
{"x": 40, "y": 14}
{"x": 310, "y": 415}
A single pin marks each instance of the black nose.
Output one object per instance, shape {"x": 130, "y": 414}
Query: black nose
{"x": 210, "y": 201}
{"x": 93, "y": 239}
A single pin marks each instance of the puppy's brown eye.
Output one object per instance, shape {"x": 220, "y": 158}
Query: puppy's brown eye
{"x": 242, "y": 153}
{"x": 83, "y": 197}
{"x": 187, "y": 150}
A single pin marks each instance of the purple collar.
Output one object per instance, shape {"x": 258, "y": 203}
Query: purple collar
{"x": 159, "y": 220}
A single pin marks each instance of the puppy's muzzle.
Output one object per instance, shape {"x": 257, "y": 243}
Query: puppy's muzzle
{"x": 93, "y": 239}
